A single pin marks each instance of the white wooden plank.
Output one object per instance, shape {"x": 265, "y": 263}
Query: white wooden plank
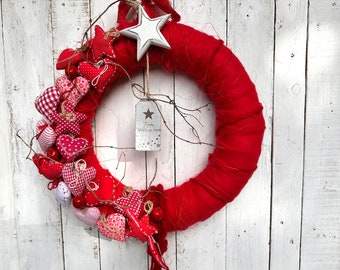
{"x": 9, "y": 247}
{"x": 203, "y": 245}
{"x": 27, "y": 54}
{"x": 321, "y": 224}
{"x": 288, "y": 133}
{"x": 69, "y": 22}
{"x": 250, "y": 36}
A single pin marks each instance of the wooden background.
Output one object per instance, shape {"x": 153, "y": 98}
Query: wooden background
{"x": 287, "y": 217}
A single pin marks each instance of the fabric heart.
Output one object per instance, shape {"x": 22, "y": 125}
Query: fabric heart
{"x": 113, "y": 227}
{"x": 68, "y": 57}
{"x": 72, "y": 91}
{"x": 47, "y": 102}
{"x": 76, "y": 176}
{"x": 62, "y": 194}
{"x": 89, "y": 216}
{"x": 99, "y": 77}
{"x": 103, "y": 193}
{"x": 48, "y": 168}
{"x": 45, "y": 135}
{"x": 71, "y": 148}
{"x": 133, "y": 202}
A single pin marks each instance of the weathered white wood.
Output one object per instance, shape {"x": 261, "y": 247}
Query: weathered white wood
{"x": 250, "y": 36}
{"x": 28, "y": 63}
{"x": 35, "y": 236}
{"x": 288, "y": 133}
{"x": 69, "y": 22}
{"x": 203, "y": 245}
{"x": 321, "y": 224}
{"x": 7, "y": 196}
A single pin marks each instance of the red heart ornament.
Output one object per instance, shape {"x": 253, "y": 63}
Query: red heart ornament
{"x": 48, "y": 168}
{"x": 73, "y": 91}
{"x": 100, "y": 76}
{"x": 45, "y": 135}
{"x": 47, "y": 102}
{"x": 106, "y": 190}
{"x": 133, "y": 201}
{"x": 71, "y": 148}
{"x": 68, "y": 57}
{"x": 76, "y": 175}
{"x": 113, "y": 227}
{"x": 89, "y": 216}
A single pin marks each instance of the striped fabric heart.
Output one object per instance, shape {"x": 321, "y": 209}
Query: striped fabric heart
{"x": 48, "y": 101}
{"x": 45, "y": 135}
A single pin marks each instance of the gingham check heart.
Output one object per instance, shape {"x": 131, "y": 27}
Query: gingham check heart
{"x": 76, "y": 175}
{"x": 47, "y": 102}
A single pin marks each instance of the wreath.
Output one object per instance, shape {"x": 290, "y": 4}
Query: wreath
{"x": 65, "y": 137}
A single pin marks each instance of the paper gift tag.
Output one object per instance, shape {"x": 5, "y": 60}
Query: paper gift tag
{"x": 148, "y": 126}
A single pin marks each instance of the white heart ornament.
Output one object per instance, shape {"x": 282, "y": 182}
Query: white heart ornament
{"x": 89, "y": 216}
{"x": 63, "y": 194}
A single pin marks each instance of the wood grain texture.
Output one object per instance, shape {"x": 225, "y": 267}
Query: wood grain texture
{"x": 28, "y": 62}
{"x": 321, "y": 224}
{"x": 287, "y": 217}
{"x": 250, "y": 36}
{"x": 288, "y": 133}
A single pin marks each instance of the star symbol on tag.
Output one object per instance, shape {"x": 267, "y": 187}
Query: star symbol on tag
{"x": 148, "y": 114}
{"x": 147, "y": 32}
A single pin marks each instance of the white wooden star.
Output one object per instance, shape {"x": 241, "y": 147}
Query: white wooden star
{"x": 147, "y": 32}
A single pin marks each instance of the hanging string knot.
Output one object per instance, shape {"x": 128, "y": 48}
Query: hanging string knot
{"x": 69, "y": 116}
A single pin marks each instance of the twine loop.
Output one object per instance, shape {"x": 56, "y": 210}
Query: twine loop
{"x": 69, "y": 116}
{"x": 96, "y": 79}
{"x": 148, "y": 207}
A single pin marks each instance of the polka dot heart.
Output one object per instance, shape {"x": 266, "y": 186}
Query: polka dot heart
{"x": 71, "y": 148}
{"x": 113, "y": 227}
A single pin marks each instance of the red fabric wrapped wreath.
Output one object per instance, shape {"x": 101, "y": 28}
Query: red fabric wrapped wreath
{"x": 99, "y": 199}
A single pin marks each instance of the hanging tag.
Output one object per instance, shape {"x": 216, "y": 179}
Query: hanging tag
{"x": 148, "y": 126}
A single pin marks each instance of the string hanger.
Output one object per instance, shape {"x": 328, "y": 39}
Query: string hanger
{"x": 153, "y": 7}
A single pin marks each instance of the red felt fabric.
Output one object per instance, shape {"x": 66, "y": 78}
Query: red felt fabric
{"x": 239, "y": 123}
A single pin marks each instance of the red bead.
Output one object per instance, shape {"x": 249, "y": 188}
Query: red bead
{"x": 71, "y": 71}
{"x": 157, "y": 214}
{"x": 78, "y": 201}
{"x": 53, "y": 153}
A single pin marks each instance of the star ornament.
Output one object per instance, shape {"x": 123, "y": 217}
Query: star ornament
{"x": 68, "y": 120}
{"x": 147, "y": 32}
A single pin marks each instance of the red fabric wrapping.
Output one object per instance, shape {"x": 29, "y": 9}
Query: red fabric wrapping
{"x": 239, "y": 122}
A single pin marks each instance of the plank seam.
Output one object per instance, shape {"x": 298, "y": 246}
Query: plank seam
{"x": 272, "y": 139}
{"x": 304, "y": 133}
